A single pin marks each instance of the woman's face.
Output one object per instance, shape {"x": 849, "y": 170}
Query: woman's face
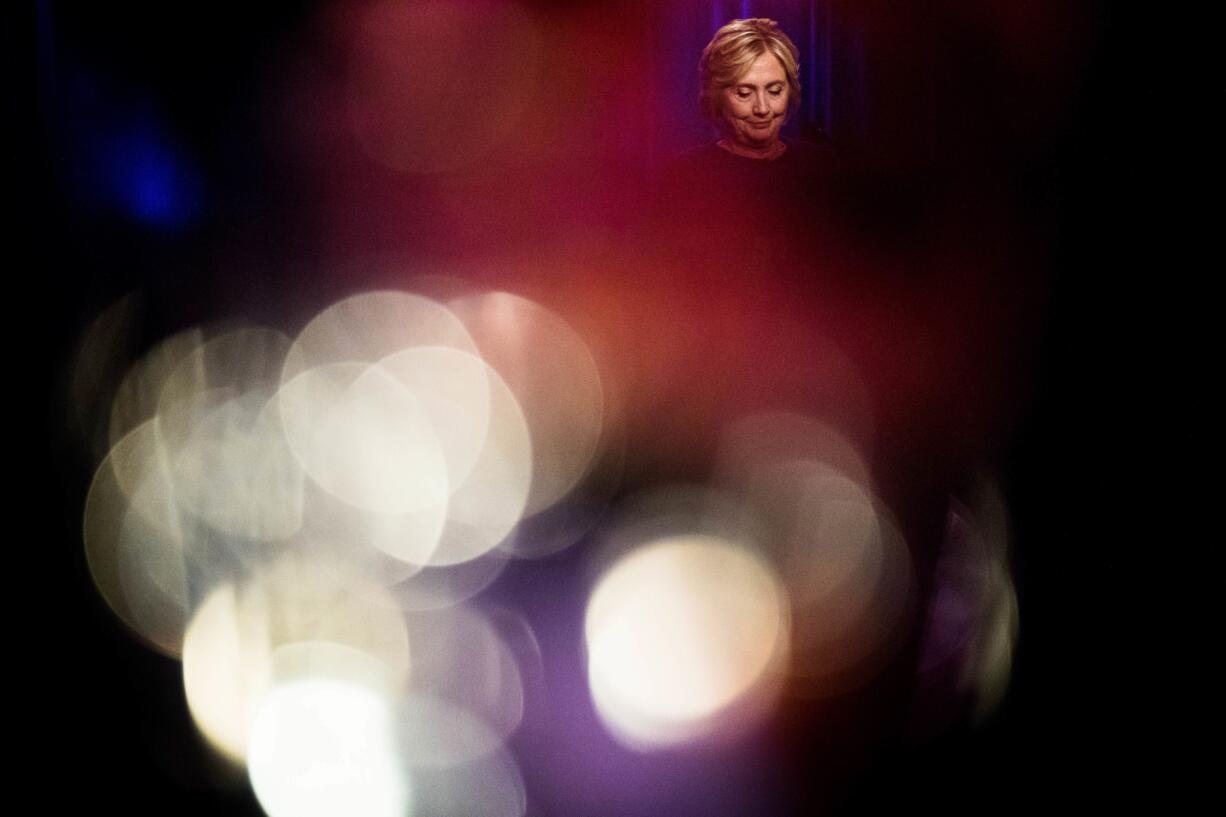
{"x": 756, "y": 106}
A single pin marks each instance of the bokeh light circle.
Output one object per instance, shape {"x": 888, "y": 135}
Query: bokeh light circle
{"x": 677, "y": 633}
{"x": 136, "y": 544}
{"x": 554, "y": 377}
{"x": 360, "y": 434}
{"x": 322, "y": 747}
{"x": 370, "y": 326}
{"x": 228, "y": 653}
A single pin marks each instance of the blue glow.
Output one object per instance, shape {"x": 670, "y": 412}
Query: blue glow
{"x": 149, "y": 181}
{"x": 120, "y": 155}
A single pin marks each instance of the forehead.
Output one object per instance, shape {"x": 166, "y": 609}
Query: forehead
{"x": 764, "y": 70}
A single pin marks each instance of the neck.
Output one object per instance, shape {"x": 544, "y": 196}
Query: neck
{"x": 772, "y": 151}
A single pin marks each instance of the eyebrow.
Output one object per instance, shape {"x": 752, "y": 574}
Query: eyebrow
{"x": 751, "y": 85}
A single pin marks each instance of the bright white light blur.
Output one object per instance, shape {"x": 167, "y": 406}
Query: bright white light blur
{"x": 427, "y": 451}
{"x": 679, "y": 632}
{"x": 370, "y": 326}
{"x": 453, "y": 389}
{"x": 485, "y": 508}
{"x": 225, "y": 669}
{"x": 234, "y": 470}
{"x": 230, "y": 644}
{"x": 322, "y": 747}
{"x": 553, "y": 376}
{"x": 364, "y": 437}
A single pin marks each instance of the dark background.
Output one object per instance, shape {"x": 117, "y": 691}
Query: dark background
{"x": 152, "y": 167}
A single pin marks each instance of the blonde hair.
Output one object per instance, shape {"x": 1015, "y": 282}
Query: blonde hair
{"x": 730, "y": 53}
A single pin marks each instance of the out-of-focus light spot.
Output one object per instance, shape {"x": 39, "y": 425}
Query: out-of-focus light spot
{"x": 369, "y": 436}
{"x": 575, "y": 516}
{"x": 135, "y": 543}
{"x": 847, "y": 570}
{"x": 994, "y": 664}
{"x": 751, "y": 442}
{"x": 460, "y": 664}
{"x": 370, "y": 326}
{"x": 972, "y": 623}
{"x": 846, "y": 567}
{"x": 553, "y": 375}
{"x": 364, "y": 437}
{"x": 387, "y": 548}
{"x": 102, "y": 356}
{"x": 225, "y": 669}
{"x": 961, "y": 584}
{"x": 228, "y": 653}
{"x": 139, "y": 394}
{"x": 323, "y": 747}
{"x": 436, "y": 732}
{"x": 680, "y": 633}
{"x": 485, "y": 508}
{"x": 994, "y": 651}
{"x": 453, "y": 390}
{"x": 435, "y": 588}
{"x": 435, "y": 85}
{"x": 490, "y": 786}
{"x": 150, "y": 180}
{"x": 230, "y": 364}
{"x": 426, "y": 440}
{"x": 233, "y": 469}
{"x": 516, "y": 632}
{"x": 310, "y": 600}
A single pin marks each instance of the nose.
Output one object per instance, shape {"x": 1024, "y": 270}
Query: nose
{"x": 760, "y": 108}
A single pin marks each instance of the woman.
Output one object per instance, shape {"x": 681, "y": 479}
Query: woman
{"x": 751, "y": 177}
{"x": 749, "y": 83}
{"x": 737, "y": 229}
{"x": 741, "y": 201}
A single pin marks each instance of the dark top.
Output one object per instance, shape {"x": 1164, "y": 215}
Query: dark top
{"x": 792, "y": 172}
{"x": 721, "y": 214}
